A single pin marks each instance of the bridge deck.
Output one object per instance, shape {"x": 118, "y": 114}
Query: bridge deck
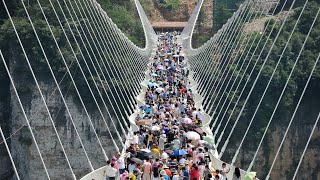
{"x": 169, "y": 128}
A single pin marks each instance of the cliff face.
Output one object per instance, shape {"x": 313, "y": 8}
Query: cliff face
{"x": 22, "y": 146}
{"x": 156, "y": 12}
{"x": 5, "y": 123}
{"x": 292, "y": 148}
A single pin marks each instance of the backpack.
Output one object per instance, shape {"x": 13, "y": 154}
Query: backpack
{"x": 155, "y": 171}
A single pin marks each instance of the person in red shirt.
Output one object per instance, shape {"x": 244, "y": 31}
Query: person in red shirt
{"x": 182, "y": 91}
{"x": 194, "y": 172}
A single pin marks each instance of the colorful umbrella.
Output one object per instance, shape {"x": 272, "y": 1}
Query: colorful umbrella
{"x": 209, "y": 139}
{"x": 159, "y": 90}
{"x": 193, "y": 135}
{"x": 250, "y": 176}
{"x": 179, "y": 152}
{"x": 145, "y": 150}
{"x": 155, "y": 84}
{"x": 173, "y": 68}
{"x": 160, "y": 67}
{"x": 186, "y": 120}
{"x": 154, "y": 74}
{"x": 143, "y": 122}
{"x": 150, "y": 83}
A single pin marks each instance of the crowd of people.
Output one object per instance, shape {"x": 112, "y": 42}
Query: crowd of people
{"x": 170, "y": 144}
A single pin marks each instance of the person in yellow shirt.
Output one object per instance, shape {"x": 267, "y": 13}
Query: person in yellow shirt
{"x": 133, "y": 176}
{"x": 155, "y": 150}
{"x": 150, "y": 140}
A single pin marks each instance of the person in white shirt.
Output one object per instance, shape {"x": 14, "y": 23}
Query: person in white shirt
{"x": 176, "y": 143}
{"x": 121, "y": 164}
{"x": 162, "y": 141}
{"x": 194, "y": 113}
{"x": 164, "y": 156}
{"x": 175, "y": 176}
{"x": 131, "y": 167}
{"x": 182, "y": 160}
{"x": 110, "y": 172}
{"x": 189, "y": 86}
{"x": 218, "y": 174}
{"x": 199, "y": 113}
{"x": 135, "y": 138}
{"x": 200, "y": 155}
{"x": 224, "y": 171}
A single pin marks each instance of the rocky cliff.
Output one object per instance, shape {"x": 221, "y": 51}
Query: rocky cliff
{"x": 23, "y": 147}
{"x": 292, "y": 149}
{"x": 156, "y": 12}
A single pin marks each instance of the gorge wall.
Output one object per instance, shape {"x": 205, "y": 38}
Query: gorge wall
{"x": 23, "y": 148}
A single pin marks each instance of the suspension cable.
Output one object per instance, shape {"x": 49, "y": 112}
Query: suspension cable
{"x": 301, "y": 96}
{"x": 255, "y": 81}
{"x": 269, "y": 82}
{"x": 23, "y": 111}
{"x": 306, "y": 147}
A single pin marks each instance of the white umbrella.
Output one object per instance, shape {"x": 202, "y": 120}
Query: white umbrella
{"x": 155, "y": 128}
{"x": 160, "y": 67}
{"x": 186, "y": 120}
{"x": 193, "y": 135}
{"x": 145, "y": 150}
{"x": 159, "y": 89}
{"x": 175, "y": 55}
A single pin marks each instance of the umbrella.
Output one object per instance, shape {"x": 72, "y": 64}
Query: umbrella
{"x": 209, "y": 139}
{"x": 154, "y": 74}
{"x": 152, "y": 155}
{"x": 199, "y": 130}
{"x": 143, "y": 122}
{"x": 159, "y": 90}
{"x": 250, "y": 176}
{"x": 150, "y": 83}
{"x": 186, "y": 120}
{"x": 179, "y": 152}
{"x": 137, "y": 160}
{"x": 160, "y": 67}
{"x": 155, "y": 84}
{"x": 145, "y": 150}
{"x": 173, "y": 68}
{"x": 168, "y": 151}
{"x": 193, "y": 135}
{"x": 155, "y": 128}
{"x": 175, "y": 55}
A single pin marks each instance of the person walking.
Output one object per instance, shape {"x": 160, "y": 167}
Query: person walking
{"x": 147, "y": 170}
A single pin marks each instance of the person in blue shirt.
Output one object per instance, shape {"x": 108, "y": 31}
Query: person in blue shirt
{"x": 185, "y": 174}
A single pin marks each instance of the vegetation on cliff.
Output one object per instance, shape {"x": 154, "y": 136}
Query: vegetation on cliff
{"x": 291, "y": 95}
{"x": 124, "y": 14}
{"x": 71, "y": 52}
